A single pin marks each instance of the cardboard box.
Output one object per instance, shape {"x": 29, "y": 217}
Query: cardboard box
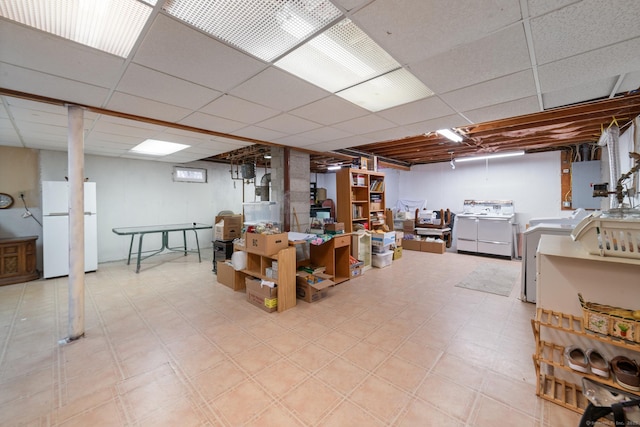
{"x": 312, "y": 287}
{"x": 261, "y": 296}
{"x": 383, "y": 239}
{"x": 433, "y": 247}
{"x": 227, "y": 227}
{"x": 411, "y": 244}
{"x": 408, "y": 226}
{"x": 399, "y": 237}
{"x": 229, "y": 277}
{"x": 265, "y": 244}
{"x": 375, "y": 206}
{"x": 397, "y": 253}
{"x": 356, "y": 271}
{"x": 336, "y": 226}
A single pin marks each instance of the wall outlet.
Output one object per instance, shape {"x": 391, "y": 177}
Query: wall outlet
{"x": 566, "y": 204}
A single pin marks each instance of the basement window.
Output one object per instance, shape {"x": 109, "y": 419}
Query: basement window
{"x": 182, "y": 174}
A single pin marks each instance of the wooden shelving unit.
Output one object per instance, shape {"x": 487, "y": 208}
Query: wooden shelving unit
{"x": 550, "y": 356}
{"x": 257, "y": 266}
{"x": 360, "y": 198}
{"x": 334, "y": 255}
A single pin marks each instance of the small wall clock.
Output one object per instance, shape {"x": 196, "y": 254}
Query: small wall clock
{"x": 5, "y": 201}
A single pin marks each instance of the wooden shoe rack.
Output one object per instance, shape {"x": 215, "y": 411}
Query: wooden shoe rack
{"x": 549, "y": 356}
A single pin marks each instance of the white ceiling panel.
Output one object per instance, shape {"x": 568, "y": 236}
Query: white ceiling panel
{"x": 144, "y": 82}
{"x": 350, "y": 4}
{"x": 417, "y": 111}
{"x": 584, "y": 26}
{"x": 209, "y": 122}
{"x": 287, "y": 121}
{"x": 518, "y": 107}
{"x": 259, "y": 133}
{"x": 57, "y": 56}
{"x": 329, "y": 110}
{"x": 279, "y": 90}
{"x": 497, "y": 91}
{"x": 411, "y": 37}
{"x": 630, "y": 82}
{"x": 101, "y": 138}
{"x": 539, "y": 7}
{"x": 179, "y": 50}
{"x": 230, "y": 107}
{"x": 134, "y": 105}
{"x": 29, "y": 81}
{"x": 433, "y": 125}
{"x": 351, "y": 141}
{"x": 591, "y": 66}
{"x": 501, "y": 53}
{"x": 566, "y": 96}
{"x": 126, "y": 128}
{"x": 324, "y": 134}
{"x": 364, "y": 125}
{"x": 389, "y": 134}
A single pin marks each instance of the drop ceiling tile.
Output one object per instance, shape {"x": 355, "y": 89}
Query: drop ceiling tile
{"x": 330, "y": 110}
{"x": 540, "y": 7}
{"x": 417, "y": 111}
{"x": 584, "y": 26}
{"x": 519, "y": 107}
{"x": 127, "y": 128}
{"x": 630, "y": 82}
{"x": 567, "y": 96}
{"x": 288, "y": 124}
{"x": 233, "y": 108}
{"x": 350, "y": 4}
{"x": 390, "y": 134}
{"x": 176, "y": 49}
{"x": 144, "y": 82}
{"x": 365, "y": 124}
{"x": 146, "y": 107}
{"x": 29, "y": 81}
{"x": 591, "y": 66}
{"x": 259, "y": 133}
{"x": 405, "y": 28}
{"x": 39, "y": 51}
{"x": 324, "y": 134}
{"x": 433, "y": 125}
{"x": 103, "y": 138}
{"x": 298, "y": 141}
{"x": 497, "y": 91}
{"x": 501, "y": 53}
{"x": 351, "y": 141}
{"x": 213, "y": 123}
{"x": 278, "y": 90}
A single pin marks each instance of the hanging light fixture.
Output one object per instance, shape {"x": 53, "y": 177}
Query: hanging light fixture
{"x": 449, "y": 134}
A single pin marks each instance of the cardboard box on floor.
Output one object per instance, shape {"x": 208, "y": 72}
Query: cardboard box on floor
{"x": 423, "y": 246}
{"x": 227, "y": 227}
{"x": 312, "y": 287}
{"x": 264, "y": 297}
{"x": 228, "y": 276}
{"x": 411, "y": 244}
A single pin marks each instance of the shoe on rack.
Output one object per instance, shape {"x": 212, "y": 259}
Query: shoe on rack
{"x": 598, "y": 363}
{"x": 626, "y": 372}
{"x": 576, "y": 359}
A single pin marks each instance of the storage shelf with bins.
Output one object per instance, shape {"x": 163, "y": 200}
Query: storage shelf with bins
{"x": 550, "y": 355}
{"x": 360, "y": 198}
{"x": 257, "y": 265}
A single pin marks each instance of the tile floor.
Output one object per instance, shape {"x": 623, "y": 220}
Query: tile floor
{"x": 399, "y": 346}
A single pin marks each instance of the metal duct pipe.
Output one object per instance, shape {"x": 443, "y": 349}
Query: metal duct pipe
{"x": 263, "y": 189}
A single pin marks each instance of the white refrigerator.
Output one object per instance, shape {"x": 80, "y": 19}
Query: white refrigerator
{"x": 55, "y": 228}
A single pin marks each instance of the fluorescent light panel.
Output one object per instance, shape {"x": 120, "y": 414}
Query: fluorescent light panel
{"x": 154, "y": 147}
{"x": 449, "y": 134}
{"x": 340, "y": 57}
{"x": 264, "y": 29}
{"x": 334, "y": 167}
{"x": 112, "y": 26}
{"x": 392, "y": 89}
{"x": 490, "y": 156}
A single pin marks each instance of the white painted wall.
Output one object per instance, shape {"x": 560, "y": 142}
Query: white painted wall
{"x": 532, "y": 181}
{"x": 135, "y": 192}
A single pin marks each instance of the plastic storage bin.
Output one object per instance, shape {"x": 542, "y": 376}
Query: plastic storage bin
{"x": 261, "y": 213}
{"x": 382, "y": 260}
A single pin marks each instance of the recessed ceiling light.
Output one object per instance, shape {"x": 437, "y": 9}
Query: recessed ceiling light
{"x": 153, "y": 147}
{"x": 112, "y": 26}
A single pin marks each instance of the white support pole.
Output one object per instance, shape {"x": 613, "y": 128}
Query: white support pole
{"x": 75, "y": 167}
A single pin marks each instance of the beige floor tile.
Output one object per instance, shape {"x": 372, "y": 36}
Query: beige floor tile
{"x": 423, "y": 414}
{"x": 342, "y": 375}
{"x": 311, "y": 401}
{"x": 281, "y": 377}
{"x": 242, "y": 402}
{"x": 348, "y": 414}
{"x": 490, "y": 413}
{"x": 106, "y": 414}
{"x": 366, "y": 355}
{"x": 218, "y": 379}
{"x": 401, "y": 373}
{"x": 275, "y": 416}
{"x": 257, "y": 358}
{"x": 311, "y": 357}
{"x": 380, "y": 398}
{"x": 449, "y": 397}
{"x": 336, "y": 341}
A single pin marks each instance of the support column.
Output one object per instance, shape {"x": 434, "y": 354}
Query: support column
{"x": 75, "y": 150}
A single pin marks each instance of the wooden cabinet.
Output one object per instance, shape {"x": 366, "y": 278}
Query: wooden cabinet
{"x": 360, "y": 199}
{"x": 18, "y": 260}
{"x": 334, "y": 255}
{"x": 565, "y": 269}
{"x": 286, "y": 281}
